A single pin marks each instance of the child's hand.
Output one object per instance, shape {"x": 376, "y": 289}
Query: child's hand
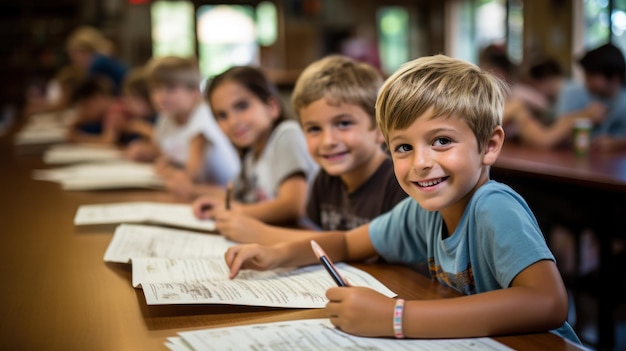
{"x": 360, "y": 311}
{"x": 163, "y": 166}
{"x": 237, "y": 227}
{"x": 205, "y": 207}
{"x": 180, "y": 184}
{"x": 596, "y": 111}
{"x": 251, "y": 256}
{"x": 139, "y": 150}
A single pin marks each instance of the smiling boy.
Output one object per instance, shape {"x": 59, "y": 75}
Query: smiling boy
{"x": 442, "y": 119}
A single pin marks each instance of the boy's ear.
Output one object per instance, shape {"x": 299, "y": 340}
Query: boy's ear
{"x": 493, "y": 146}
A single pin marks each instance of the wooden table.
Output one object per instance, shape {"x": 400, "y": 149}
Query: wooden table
{"x": 583, "y": 192}
{"x": 58, "y": 294}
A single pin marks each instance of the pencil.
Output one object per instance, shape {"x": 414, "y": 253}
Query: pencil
{"x": 328, "y": 264}
{"x": 229, "y": 190}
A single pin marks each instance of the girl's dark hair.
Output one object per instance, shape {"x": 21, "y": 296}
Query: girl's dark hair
{"x": 257, "y": 83}
{"x": 252, "y": 79}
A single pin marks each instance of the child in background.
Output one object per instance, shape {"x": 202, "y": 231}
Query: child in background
{"x": 90, "y": 51}
{"x": 134, "y": 119}
{"x": 58, "y": 92}
{"x": 334, "y": 99}
{"x": 442, "y": 120}
{"x": 188, "y": 145}
{"x": 276, "y": 168}
{"x": 91, "y": 99}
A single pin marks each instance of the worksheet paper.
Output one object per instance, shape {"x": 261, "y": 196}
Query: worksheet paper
{"x": 205, "y": 281}
{"x": 107, "y": 175}
{"x": 177, "y": 215}
{"x": 45, "y": 128}
{"x": 135, "y": 240}
{"x": 74, "y": 153}
{"x": 313, "y": 334}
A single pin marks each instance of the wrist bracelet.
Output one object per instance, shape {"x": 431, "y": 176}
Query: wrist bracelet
{"x": 397, "y": 319}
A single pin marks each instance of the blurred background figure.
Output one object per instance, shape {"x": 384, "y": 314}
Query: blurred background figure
{"x": 91, "y": 52}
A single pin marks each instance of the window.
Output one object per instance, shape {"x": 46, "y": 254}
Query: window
{"x": 226, "y": 37}
{"x": 476, "y": 24}
{"x": 266, "y": 23}
{"x": 393, "y": 29}
{"x": 172, "y": 28}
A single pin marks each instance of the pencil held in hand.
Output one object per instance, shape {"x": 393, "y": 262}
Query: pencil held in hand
{"x": 229, "y": 194}
{"x": 328, "y": 264}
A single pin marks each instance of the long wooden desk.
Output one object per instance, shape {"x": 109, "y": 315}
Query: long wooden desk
{"x": 579, "y": 192}
{"x": 58, "y": 294}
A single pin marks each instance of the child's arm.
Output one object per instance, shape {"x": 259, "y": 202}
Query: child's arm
{"x": 245, "y": 229}
{"x": 535, "y": 302}
{"x": 142, "y": 150}
{"x": 340, "y": 246}
{"x": 141, "y": 127}
{"x": 288, "y": 205}
{"x": 196, "y": 158}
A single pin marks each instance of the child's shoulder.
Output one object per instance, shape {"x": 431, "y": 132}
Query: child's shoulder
{"x": 495, "y": 196}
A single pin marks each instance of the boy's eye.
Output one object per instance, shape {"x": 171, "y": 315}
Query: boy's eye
{"x": 402, "y": 148}
{"x": 344, "y": 124}
{"x": 442, "y": 141}
{"x": 312, "y": 129}
{"x": 220, "y": 116}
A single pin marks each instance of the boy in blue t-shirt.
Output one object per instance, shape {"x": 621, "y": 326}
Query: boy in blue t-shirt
{"x": 442, "y": 120}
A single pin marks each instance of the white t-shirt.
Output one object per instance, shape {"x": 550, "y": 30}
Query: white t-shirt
{"x": 221, "y": 161}
{"x": 284, "y": 155}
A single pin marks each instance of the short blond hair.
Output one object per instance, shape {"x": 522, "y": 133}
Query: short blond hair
{"x": 90, "y": 39}
{"x": 451, "y": 87}
{"x": 173, "y": 70}
{"x": 338, "y": 79}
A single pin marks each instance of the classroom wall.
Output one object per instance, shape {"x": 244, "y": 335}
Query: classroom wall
{"x": 33, "y": 32}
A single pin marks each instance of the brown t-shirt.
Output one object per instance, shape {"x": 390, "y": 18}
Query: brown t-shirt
{"x": 331, "y": 207}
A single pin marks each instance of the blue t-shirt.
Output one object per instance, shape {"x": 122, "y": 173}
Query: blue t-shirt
{"x": 110, "y": 68}
{"x": 574, "y": 97}
{"x": 496, "y": 238}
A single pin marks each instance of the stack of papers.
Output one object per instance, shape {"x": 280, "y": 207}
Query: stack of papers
{"x": 73, "y": 153}
{"x": 108, "y": 175}
{"x": 45, "y": 128}
{"x": 312, "y": 334}
{"x": 178, "y": 267}
{"x": 176, "y": 215}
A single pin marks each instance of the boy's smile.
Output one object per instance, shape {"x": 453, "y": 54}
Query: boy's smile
{"x": 342, "y": 140}
{"x": 437, "y": 162}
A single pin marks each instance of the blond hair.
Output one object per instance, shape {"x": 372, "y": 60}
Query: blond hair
{"x": 338, "y": 79}
{"x": 173, "y": 70}
{"x": 89, "y": 39}
{"x": 451, "y": 87}
{"x": 136, "y": 84}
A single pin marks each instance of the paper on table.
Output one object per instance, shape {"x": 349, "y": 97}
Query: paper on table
{"x": 40, "y": 136}
{"x": 205, "y": 281}
{"x": 45, "y": 128}
{"x": 178, "y": 215}
{"x": 134, "y": 240}
{"x": 313, "y": 334}
{"x": 107, "y": 175}
{"x": 71, "y": 153}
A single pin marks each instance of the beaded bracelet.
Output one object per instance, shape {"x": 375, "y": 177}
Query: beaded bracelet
{"x": 397, "y": 319}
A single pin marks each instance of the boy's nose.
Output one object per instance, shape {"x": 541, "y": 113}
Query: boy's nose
{"x": 421, "y": 159}
{"x": 329, "y": 137}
